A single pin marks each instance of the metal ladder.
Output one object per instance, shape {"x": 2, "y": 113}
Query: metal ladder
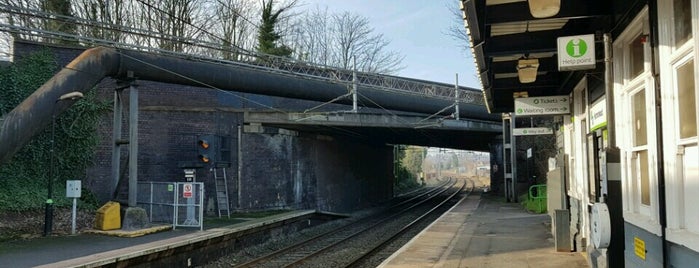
{"x": 221, "y": 192}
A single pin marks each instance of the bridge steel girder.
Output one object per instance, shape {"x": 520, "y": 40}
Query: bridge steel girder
{"x": 34, "y": 114}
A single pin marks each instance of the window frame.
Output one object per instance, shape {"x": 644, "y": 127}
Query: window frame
{"x": 625, "y": 86}
{"x": 671, "y": 58}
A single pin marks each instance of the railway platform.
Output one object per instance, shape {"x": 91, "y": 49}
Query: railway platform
{"x": 94, "y": 250}
{"x": 484, "y": 231}
{"x": 480, "y": 231}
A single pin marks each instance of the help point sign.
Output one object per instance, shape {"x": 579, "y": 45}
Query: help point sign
{"x": 576, "y": 52}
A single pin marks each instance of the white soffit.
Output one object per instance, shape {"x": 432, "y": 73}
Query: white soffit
{"x": 500, "y": 2}
{"x": 513, "y": 74}
{"x": 519, "y": 56}
{"x": 524, "y": 26}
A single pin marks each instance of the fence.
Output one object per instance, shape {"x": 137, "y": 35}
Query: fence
{"x": 176, "y": 203}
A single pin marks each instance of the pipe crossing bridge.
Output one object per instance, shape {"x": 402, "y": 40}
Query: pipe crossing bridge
{"x": 399, "y": 110}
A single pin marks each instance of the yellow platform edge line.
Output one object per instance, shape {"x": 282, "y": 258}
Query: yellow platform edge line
{"x": 132, "y": 233}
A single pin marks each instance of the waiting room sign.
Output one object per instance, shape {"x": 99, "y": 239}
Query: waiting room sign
{"x": 547, "y": 105}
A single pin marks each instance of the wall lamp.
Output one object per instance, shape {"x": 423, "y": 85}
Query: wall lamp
{"x": 544, "y": 8}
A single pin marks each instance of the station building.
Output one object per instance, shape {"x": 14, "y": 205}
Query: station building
{"x": 624, "y": 184}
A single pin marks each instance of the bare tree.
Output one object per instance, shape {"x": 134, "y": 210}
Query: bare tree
{"x": 312, "y": 37}
{"x": 174, "y": 19}
{"x": 338, "y": 39}
{"x": 111, "y": 13}
{"x": 457, "y": 29}
{"x": 233, "y": 29}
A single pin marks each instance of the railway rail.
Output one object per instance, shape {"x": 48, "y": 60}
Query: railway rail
{"x": 352, "y": 244}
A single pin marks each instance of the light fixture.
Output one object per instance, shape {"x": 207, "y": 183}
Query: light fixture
{"x": 544, "y": 8}
{"x": 520, "y": 94}
{"x": 527, "y": 69}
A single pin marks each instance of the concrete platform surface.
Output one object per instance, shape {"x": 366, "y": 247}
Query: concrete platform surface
{"x": 90, "y": 249}
{"x": 484, "y": 231}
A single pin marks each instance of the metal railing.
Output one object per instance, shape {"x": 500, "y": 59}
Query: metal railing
{"x": 178, "y": 203}
{"x": 93, "y": 33}
{"x": 537, "y": 198}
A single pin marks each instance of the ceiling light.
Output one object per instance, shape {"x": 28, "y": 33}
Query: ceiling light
{"x": 544, "y": 8}
{"x": 520, "y": 94}
{"x": 527, "y": 69}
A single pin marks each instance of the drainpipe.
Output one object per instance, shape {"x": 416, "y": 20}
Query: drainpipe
{"x": 662, "y": 210}
{"x": 240, "y": 162}
{"x": 609, "y": 89}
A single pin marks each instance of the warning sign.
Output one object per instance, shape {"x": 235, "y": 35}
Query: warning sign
{"x": 639, "y": 247}
{"x": 187, "y": 191}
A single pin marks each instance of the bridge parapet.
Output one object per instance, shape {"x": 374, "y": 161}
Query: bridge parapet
{"x": 94, "y": 33}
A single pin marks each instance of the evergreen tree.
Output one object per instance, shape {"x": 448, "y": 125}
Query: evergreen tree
{"x": 62, "y": 24}
{"x": 268, "y": 39}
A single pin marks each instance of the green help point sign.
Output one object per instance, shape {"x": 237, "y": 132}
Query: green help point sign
{"x": 576, "y": 52}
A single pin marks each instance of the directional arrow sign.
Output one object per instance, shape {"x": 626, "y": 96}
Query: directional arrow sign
{"x": 542, "y": 105}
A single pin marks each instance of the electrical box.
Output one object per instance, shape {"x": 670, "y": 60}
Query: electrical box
{"x": 73, "y": 189}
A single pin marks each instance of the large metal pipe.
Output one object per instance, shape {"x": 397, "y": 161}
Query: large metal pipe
{"x": 35, "y": 112}
{"x": 90, "y": 67}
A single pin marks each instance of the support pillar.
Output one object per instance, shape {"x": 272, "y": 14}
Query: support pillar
{"x": 456, "y": 98}
{"x": 133, "y": 144}
{"x": 510, "y": 157}
{"x": 116, "y": 140}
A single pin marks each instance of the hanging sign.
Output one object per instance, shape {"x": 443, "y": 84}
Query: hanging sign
{"x": 576, "y": 52}
{"x": 598, "y": 114}
{"x": 542, "y": 105}
{"x": 532, "y": 131}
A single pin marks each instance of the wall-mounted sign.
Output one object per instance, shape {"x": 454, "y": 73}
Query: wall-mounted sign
{"x": 598, "y": 114}
{"x": 576, "y": 52}
{"x": 73, "y": 188}
{"x": 187, "y": 190}
{"x": 532, "y": 131}
{"x": 542, "y": 105}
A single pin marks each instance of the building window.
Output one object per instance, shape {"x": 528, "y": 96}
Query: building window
{"x": 640, "y": 140}
{"x": 678, "y": 69}
{"x": 644, "y": 179}
{"x": 683, "y": 21}
{"x": 634, "y": 93}
{"x": 640, "y": 125}
{"x": 687, "y": 102}
{"x": 637, "y": 57}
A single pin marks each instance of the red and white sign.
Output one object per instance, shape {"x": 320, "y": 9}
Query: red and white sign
{"x": 187, "y": 191}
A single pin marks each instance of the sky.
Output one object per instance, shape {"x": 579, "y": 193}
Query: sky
{"x": 416, "y": 29}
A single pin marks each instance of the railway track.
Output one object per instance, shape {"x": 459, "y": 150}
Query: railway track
{"x": 352, "y": 244}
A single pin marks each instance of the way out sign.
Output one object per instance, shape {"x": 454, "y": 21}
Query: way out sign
{"x": 532, "y": 131}
{"x": 187, "y": 190}
{"x": 576, "y": 52}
